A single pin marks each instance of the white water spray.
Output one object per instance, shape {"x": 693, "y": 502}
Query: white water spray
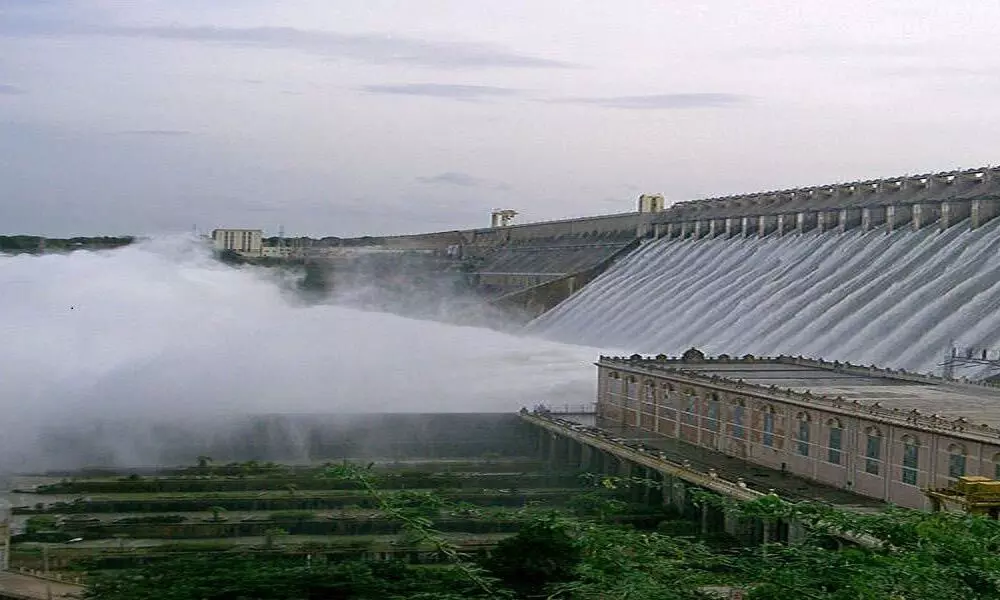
{"x": 895, "y": 300}
{"x": 161, "y": 330}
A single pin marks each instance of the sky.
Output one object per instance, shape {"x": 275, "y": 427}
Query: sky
{"x": 383, "y": 117}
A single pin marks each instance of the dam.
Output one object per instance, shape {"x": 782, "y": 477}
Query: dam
{"x": 897, "y": 298}
{"x": 895, "y": 271}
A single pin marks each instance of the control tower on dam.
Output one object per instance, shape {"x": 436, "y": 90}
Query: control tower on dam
{"x": 891, "y": 272}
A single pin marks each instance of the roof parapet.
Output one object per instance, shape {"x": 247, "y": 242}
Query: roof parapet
{"x": 936, "y": 423}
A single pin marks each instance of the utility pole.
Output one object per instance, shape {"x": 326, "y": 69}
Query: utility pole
{"x": 975, "y": 358}
{"x": 949, "y": 363}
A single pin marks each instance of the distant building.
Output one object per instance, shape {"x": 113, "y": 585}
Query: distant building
{"x": 651, "y": 203}
{"x": 277, "y": 251}
{"x": 246, "y": 242}
{"x": 898, "y": 437}
{"x": 502, "y": 217}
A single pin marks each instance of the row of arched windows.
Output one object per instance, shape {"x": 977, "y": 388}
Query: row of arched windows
{"x": 628, "y": 389}
{"x": 835, "y": 443}
{"x": 873, "y": 450}
{"x": 625, "y": 388}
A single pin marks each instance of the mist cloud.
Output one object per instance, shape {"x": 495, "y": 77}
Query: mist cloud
{"x": 162, "y": 331}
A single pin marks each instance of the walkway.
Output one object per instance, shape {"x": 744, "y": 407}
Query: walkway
{"x": 15, "y": 586}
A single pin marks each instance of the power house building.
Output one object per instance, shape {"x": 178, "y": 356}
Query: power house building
{"x": 887, "y": 435}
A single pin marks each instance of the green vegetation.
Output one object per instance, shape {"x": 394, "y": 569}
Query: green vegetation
{"x": 581, "y": 554}
{"x": 240, "y": 577}
{"x": 16, "y": 244}
{"x": 40, "y": 523}
{"x": 262, "y": 478}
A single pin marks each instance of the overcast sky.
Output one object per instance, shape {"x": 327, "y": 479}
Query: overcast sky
{"x": 379, "y": 116}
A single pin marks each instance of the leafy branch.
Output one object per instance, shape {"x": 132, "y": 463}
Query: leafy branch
{"x": 411, "y": 510}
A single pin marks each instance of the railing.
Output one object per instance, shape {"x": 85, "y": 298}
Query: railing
{"x": 658, "y": 460}
{"x": 567, "y": 409}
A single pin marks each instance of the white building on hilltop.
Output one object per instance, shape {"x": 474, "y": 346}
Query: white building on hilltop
{"x": 247, "y": 242}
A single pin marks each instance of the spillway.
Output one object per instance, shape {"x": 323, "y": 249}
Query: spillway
{"x": 894, "y": 299}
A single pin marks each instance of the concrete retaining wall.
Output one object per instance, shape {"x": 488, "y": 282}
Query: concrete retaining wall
{"x": 531, "y": 302}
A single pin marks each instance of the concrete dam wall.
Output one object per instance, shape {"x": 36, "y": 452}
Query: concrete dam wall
{"x": 520, "y": 264}
{"x": 293, "y": 438}
{"x": 889, "y": 294}
{"x": 536, "y": 265}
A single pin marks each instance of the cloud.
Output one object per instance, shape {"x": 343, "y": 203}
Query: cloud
{"x": 442, "y": 90}
{"x": 839, "y": 50}
{"x": 937, "y": 71}
{"x": 369, "y": 48}
{"x": 156, "y": 132}
{"x": 662, "y": 101}
{"x": 10, "y": 90}
{"x": 458, "y": 179}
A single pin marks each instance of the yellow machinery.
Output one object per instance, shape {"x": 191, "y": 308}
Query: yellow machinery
{"x": 971, "y": 494}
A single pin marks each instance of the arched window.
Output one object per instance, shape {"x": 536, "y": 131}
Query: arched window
{"x": 802, "y": 433}
{"x": 614, "y": 386}
{"x": 996, "y": 466}
{"x": 667, "y": 405}
{"x": 836, "y": 441}
{"x": 739, "y": 412}
{"x": 712, "y": 413}
{"x": 648, "y": 398}
{"x": 690, "y": 407}
{"x": 956, "y": 461}
{"x": 630, "y": 391}
{"x": 873, "y": 451}
{"x": 911, "y": 459}
{"x": 768, "y": 437}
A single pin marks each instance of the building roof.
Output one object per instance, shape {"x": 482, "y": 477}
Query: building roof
{"x": 965, "y": 409}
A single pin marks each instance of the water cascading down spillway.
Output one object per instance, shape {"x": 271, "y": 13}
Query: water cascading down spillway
{"x": 896, "y": 299}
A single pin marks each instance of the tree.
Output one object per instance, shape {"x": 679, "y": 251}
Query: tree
{"x": 225, "y": 577}
{"x": 543, "y": 553}
{"x": 420, "y": 529}
{"x": 596, "y": 504}
{"x": 204, "y": 461}
{"x": 39, "y": 523}
{"x": 272, "y": 533}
